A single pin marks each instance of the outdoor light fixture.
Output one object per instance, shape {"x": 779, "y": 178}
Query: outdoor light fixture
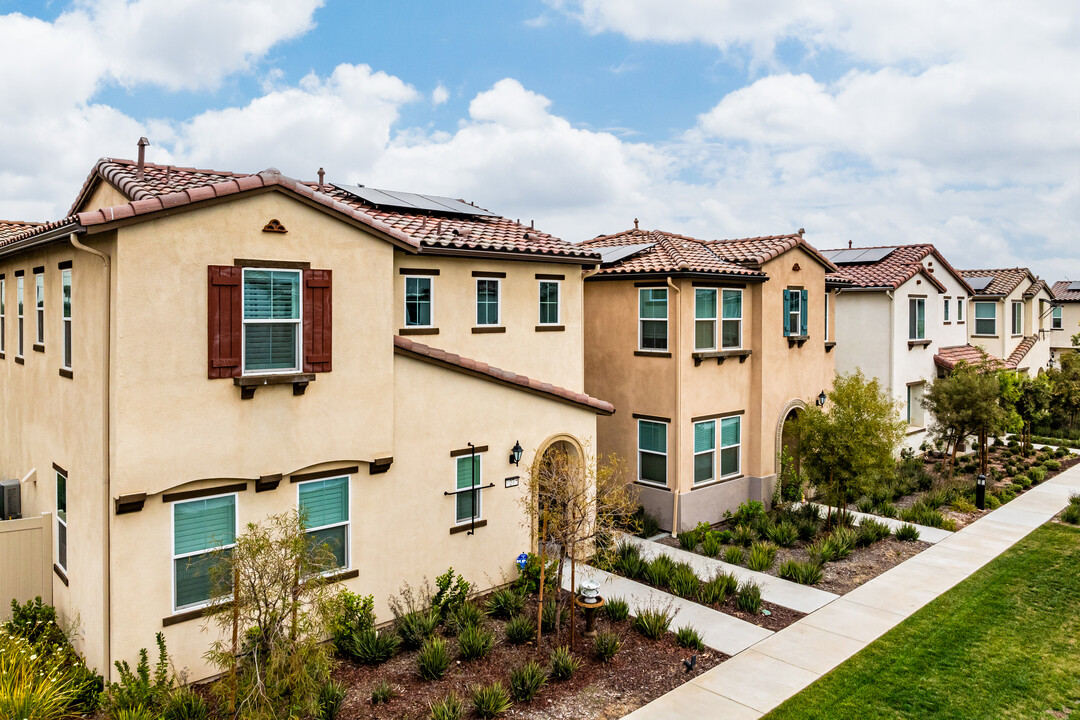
{"x": 515, "y": 453}
{"x": 1050, "y": 363}
{"x": 821, "y": 399}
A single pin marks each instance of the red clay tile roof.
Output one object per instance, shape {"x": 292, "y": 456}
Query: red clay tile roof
{"x": 11, "y": 228}
{"x": 1004, "y": 280}
{"x": 759, "y": 250}
{"x": 475, "y": 367}
{"x": 950, "y": 357}
{"x": 896, "y": 268}
{"x": 1021, "y": 351}
{"x": 1036, "y": 286}
{"x": 1061, "y": 291}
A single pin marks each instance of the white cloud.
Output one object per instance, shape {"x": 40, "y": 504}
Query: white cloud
{"x": 439, "y": 95}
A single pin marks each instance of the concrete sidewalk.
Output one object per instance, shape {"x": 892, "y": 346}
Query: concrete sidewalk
{"x": 761, "y": 677}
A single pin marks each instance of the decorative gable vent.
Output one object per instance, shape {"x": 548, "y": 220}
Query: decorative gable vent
{"x": 274, "y": 226}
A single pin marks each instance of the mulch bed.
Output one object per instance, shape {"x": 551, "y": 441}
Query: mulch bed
{"x": 642, "y": 671}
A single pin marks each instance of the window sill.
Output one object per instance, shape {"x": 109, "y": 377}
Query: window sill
{"x": 711, "y": 483}
{"x": 655, "y": 486}
{"x": 480, "y": 329}
{"x": 66, "y": 373}
{"x": 652, "y": 353}
{"x": 550, "y": 328}
{"x": 720, "y": 355}
{"x": 793, "y": 340}
{"x": 418, "y": 331}
{"x": 20, "y": 360}
{"x": 38, "y": 347}
{"x": 467, "y": 527}
{"x": 1, "y": 356}
{"x": 180, "y": 617}
{"x": 913, "y": 430}
{"x": 917, "y": 343}
{"x": 830, "y": 345}
{"x": 60, "y": 574}
{"x": 248, "y": 384}
{"x": 984, "y": 336}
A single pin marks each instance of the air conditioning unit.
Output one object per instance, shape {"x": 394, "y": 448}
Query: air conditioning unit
{"x": 10, "y": 500}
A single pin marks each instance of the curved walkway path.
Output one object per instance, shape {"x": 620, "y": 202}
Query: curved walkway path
{"x": 761, "y": 677}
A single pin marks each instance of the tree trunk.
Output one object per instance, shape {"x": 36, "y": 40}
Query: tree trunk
{"x": 543, "y": 566}
{"x": 573, "y": 592}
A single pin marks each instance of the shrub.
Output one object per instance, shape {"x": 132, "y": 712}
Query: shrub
{"x": 383, "y": 692}
{"x": 137, "y": 712}
{"x": 659, "y": 570}
{"x": 733, "y": 555}
{"x": 505, "y": 603}
{"x": 1037, "y": 474}
{"x": 907, "y": 533}
{"x": 616, "y": 609}
{"x": 870, "y": 531}
{"x": 528, "y": 581}
{"x": 331, "y": 698}
{"x": 886, "y": 509}
{"x": 683, "y": 581}
{"x": 688, "y": 637}
{"x": 963, "y": 505}
{"x": 992, "y": 501}
{"x": 743, "y": 535}
{"x": 520, "y": 630}
{"x": 137, "y": 688}
{"x": 747, "y": 512}
{"x": 1071, "y": 514}
{"x": 606, "y": 644}
{"x": 688, "y": 540}
{"x": 526, "y": 681}
{"x": 452, "y": 592}
{"x": 1051, "y": 464}
{"x": 949, "y": 524}
{"x": 353, "y": 613}
{"x": 865, "y": 505}
{"x": 449, "y": 708}
{"x": 653, "y": 622}
{"x": 433, "y": 659}
{"x": 371, "y": 647}
{"x": 415, "y": 627}
{"x": 27, "y": 687}
{"x": 631, "y": 566}
{"x": 748, "y": 598}
{"x": 711, "y": 545}
{"x": 806, "y": 528}
{"x": 762, "y": 556}
{"x": 647, "y": 524}
{"x": 490, "y": 700}
{"x": 463, "y": 616}
{"x": 821, "y": 551}
{"x": 784, "y": 533}
{"x": 563, "y": 664}
{"x": 716, "y": 589}
{"x": 551, "y": 615}
{"x": 475, "y": 642}
{"x": 841, "y": 542}
{"x": 185, "y": 704}
{"x": 804, "y": 573}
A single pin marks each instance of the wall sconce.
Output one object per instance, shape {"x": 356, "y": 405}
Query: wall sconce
{"x": 515, "y": 453}
{"x": 821, "y": 399}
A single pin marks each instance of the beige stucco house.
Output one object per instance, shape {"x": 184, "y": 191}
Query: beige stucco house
{"x": 1064, "y": 317}
{"x": 190, "y": 350}
{"x": 707, "y": 348}
{"x": 1010, "y": 317}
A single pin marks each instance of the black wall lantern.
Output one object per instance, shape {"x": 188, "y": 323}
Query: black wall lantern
{"x": 821, "y": 399}
{"x": 515, "y": 453}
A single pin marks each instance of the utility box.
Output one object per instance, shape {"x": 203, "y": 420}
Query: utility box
{"x": 10, "y": 499}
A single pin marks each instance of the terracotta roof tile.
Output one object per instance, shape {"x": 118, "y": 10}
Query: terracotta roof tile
{"x": 11, "y": 228}
{"x": 1036, "y": 287}
{"x": 896, "y": 268}
{"x": 1061, "y": 291}
{"x": 406, "y": 345}
{"x": 1004, "y": 280}
{"x": 950, "y": 357}
{"x": 1021, "y": 351}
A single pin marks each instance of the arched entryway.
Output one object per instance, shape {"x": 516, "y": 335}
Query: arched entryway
{"x": 787, "y": 441}
{"x": 558, "y": 449}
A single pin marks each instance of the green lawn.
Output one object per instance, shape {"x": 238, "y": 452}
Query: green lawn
{"x": 1005, "y": 643}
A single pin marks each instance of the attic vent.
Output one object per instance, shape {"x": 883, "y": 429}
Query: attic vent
{"x": 274, "y": 226}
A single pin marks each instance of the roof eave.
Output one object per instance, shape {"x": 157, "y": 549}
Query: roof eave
{"x": 61, "y": 232}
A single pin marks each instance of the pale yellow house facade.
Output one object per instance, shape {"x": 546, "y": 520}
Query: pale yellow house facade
{"x": 1065, "y": 317}
{"x": 218, "y": 348}
{"x": 1010, "y": 317}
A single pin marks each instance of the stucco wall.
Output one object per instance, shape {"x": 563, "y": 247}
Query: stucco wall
{"x": 1070, "y": 325}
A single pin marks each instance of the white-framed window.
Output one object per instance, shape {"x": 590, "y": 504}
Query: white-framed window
{"x": 487, "y": 301}
{"x": 467, "y": 492}
{"x": 3, "y": 314}
{"x": 200, "y": 529}
{"x": 916, "y": 318}
{"x": 960, "y": 309}
{"x": 325, "y": 506}
{"x": 1055, "y": 316}
{"x": 272, "y": 320}
{"x": 985, "y": 318}
{"x": 19, "y": 311}
{"x": 704, "y": 451}
{"x": 945, "y": 311}
{"x": 61, "y": 521}
{"x": 549, "y": 302}
{"x": 730, "y": 446}
{"x": 65, "y": 300}
{"x": 914, "y": 405}
{"x": 652, "y": 452}
{"x": 731, "y": 320}
{"x": 795, "y": 307}
{"x": 652, "y": 319}
{"x": 418, "y": 301}
{"x": 1017, "y": 317}
{"x": 704, "y": 319}
{"x": 39, "y": 305}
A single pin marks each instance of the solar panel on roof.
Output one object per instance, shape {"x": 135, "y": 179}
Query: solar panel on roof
{"x": 979, "y": 283}
{"x": 609, "y": 255}
{"x": 871, "y": 255}
{"x": 844, "y": 257}
{"x": 414, "y": 201}
{"x": 1074, "y": 286}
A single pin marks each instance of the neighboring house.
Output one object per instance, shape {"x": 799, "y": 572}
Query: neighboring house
{"x": 195, "y": 350}
{"x": 904, "y": 305}
{"x": 1010, "y": 317}
{"x": 707, "y": 348}
{"x": 1064, "y": 317}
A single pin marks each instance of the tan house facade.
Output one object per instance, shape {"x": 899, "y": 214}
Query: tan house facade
{"x": 210, "y": 349}
{"x": 1010, "y": 317}
{"x": 707, "y": 348}
{"x": 1064, "y": 317}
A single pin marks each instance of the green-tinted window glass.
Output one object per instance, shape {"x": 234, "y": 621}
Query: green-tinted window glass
{"x": 199, "y": 527}
{"x": 916, "y": 318}
{"x": 652, "y": 311}
{"x": 652, "y": 449}
{"x": 1055, "y": 319}
{"x": 271, "y": 319}
{"x": 61, "y": 497}
{"x": 549, "y": 303}
{"x": 65, "y": 285}
{"x": 487, "y": 302}
{"x": 731, "y": 332}
{"x": 468, "y": 475}
{"x": 704, "y": 450}
{"x": 652, "y": 436}
{"x": 326, "y": 502}
{"x": 985, "y": 318}
{"x": 417, "y": 301}
{"x": 704, "y": 318}
{"x": 194, "y": 579}
{"x": 653, "y": 303}
{"x": 730, "y": 432}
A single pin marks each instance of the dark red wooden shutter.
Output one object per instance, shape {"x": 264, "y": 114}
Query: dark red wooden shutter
{"x": 224, "y": 321}
{"x": 317, "y": 320}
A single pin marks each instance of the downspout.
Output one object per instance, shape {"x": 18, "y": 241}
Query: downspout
{"x": 677, "y": 344}
{"x": 106, "y": 443}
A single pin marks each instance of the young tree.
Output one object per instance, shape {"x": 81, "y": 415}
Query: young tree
{"x": 580, "y": 504}
{"x": 853, "y": 438}
{"x": 964, "y": 402}
{"x": 1065, "y": 390}
{"x": 1026, "y": 400}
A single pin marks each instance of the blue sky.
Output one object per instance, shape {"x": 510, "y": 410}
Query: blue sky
{"x": 955, "y": 123}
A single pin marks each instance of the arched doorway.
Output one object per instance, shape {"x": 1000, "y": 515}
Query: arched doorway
{"x": 555, "y": 456}
{"x": 787, "y": 443}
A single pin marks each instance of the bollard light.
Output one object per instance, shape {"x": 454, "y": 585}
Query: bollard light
{"x": 980, "y": 492}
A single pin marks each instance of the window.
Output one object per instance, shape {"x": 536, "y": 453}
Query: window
{"x": 65, "y": 296}
{"x": 61, "y": 521}
{"x": 1055, "y": 315}
{"x": 3, "y": 314}
{"x": 19, "y": 310}
{"x": 731, "y": 325}
{"x": 826, "y": 316}
{"x": 945, "y": 311}
{"x": 1017, "y": 317}
{"x": 652, "y": 318}
{"x": 704, "y": 319}
{"x": 914, "y": 405}
{"x": 730, "y": 443}
{"x": 652, "y": 452}
{"x": 39, "y": 304}
{"x": 417, "y": 301}
{"x": 959, "y": 309}
{"x": 271, "y": 320}
{"x": 794, "y": 312}
{"x": 487, "y": 302}
{"x": 985, "y": 318}
{"x": 326, "y": 507}
{"x": 467, "y": 479}
{"x": 704, "y": 451}
{"x": 200, "y": 527}
{"x": 916, "y": 318}
{"x": 549, "y": 302}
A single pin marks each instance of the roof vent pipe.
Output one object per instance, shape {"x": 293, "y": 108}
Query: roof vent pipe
{"x": 143, "y": 142}
{"x": 322, "y": 174}
{"x": 849, "y": 244}
{"x": 635, "y": 224}
{"x": 802, "y": 231}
